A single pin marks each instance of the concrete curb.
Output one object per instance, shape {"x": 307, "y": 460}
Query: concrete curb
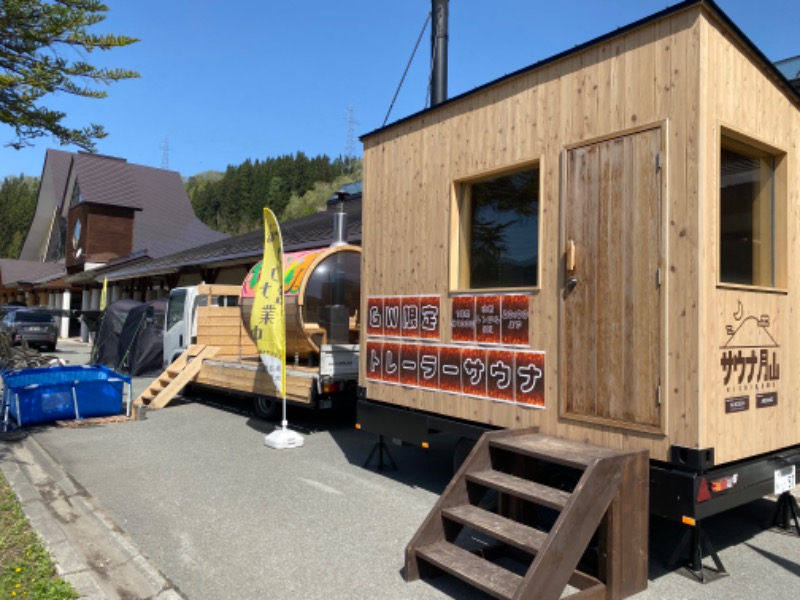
{"x": 89, "y": 550}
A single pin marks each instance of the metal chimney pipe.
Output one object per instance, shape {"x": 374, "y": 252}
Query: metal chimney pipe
{"x": 340, "y": 223}
{"x": 439, "y": 10}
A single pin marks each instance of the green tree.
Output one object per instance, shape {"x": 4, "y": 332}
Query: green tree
{"x": 314, "y": 200}
{"x": 292, "y": 185}
{"x": 34, "y": 35}
{"x": 17, "y": 205}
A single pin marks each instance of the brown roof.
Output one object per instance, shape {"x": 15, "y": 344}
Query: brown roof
{"x": 313, "y": 231}
{"x": 59, "y": 162}
{"x": 167, "y": 223}
{"x": 105, "y": 180}
{"x": 16, "y": 272}
{"x": 164, "y": 221}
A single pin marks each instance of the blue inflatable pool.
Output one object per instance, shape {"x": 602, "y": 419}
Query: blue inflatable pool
{"x": 47, "y": 394}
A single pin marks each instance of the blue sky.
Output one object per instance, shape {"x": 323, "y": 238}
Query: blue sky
{"x": 223, "y": 81}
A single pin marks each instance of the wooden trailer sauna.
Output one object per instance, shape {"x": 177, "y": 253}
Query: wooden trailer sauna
{"x": 602, "y": 248}
{"x": 321, "y": 295}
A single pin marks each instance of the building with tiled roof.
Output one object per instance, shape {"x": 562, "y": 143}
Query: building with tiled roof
{"x": 19, "y": 275}
{"x": 229, "y": 260}
{"x": 93, "y": 210}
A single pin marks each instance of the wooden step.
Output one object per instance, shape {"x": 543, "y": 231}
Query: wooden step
{"x": 490, "y": 578}
{"x": 521, "y": 488}
{"x": 612, "y": 484}
{"x": 190, "y": 364}
{"x": 551, "y": 449}
{"x": 500, "y": 528}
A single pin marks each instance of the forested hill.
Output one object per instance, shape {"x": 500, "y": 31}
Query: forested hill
{"x": 291, "y": 185}
{"x": 17, "y": 205}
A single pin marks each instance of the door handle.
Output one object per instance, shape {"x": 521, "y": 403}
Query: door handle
{"x": 570, "y": 258}
{"x": 570, "y": 262}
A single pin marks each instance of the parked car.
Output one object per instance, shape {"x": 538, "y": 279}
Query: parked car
{"x": 7, "y": 308}
{"x": 37, "y": 328}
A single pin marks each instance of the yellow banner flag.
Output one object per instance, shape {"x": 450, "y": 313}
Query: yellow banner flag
{"x": 267, "y": 320}
{"x": 103, "y": 295}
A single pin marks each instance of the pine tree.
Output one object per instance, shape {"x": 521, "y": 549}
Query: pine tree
{"x": 36, "y": 38}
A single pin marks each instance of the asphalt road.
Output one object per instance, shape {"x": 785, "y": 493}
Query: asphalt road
{"x": 220, "y": 515}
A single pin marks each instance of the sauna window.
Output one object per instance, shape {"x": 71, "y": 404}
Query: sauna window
{"x": 499, "y": 238}
{"x": 747, "y": 215}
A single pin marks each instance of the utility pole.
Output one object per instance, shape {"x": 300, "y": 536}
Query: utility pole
{"x": 350, "y": 144}
{"x": 165, "y": 154}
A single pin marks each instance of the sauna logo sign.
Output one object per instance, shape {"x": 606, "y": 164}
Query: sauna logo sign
{"x": 749, "y": 362}
{"x": 411, "y": 354}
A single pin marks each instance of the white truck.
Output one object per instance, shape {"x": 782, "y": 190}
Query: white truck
{"x": 180, "y": 328}
{"x": 211, "y": 315}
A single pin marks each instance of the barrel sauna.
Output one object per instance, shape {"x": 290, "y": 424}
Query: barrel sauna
{"x": 322, "y": 295}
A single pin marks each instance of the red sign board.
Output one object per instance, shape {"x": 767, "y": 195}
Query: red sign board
{"x": 375, "y": 316}
{"x": 487, "y": 324}
{"x": 374, "y": 360}
{"x": 500, "y": 374}
{"x": 409, "y": 365}
{"x": 491, "y": 319}
{"x": 503, "y": 375}
{"x": 408, "y": 317}
{"x": 514, "y": 320}
{"x": 463, "y": 319}
{"x": 450, "y": 369}
{"x": 429, "y": 367}
{"x": 429, "y": 311}
{"x": 529, "y": 378}
{"x": 392, "y": 316}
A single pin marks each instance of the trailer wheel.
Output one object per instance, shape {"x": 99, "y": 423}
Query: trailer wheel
{"x": 266, "y": 408}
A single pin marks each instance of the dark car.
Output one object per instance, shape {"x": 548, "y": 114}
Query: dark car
{"x": 37, "y": 328}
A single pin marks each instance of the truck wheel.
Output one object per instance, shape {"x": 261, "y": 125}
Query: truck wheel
{"x": 266, "y": 408}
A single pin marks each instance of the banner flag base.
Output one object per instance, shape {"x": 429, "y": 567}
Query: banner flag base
{"x": 283, "y": 438}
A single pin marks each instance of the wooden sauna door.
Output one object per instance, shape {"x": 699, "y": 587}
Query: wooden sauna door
{"x": 612, "y": 314}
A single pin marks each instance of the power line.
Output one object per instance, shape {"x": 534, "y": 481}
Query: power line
{"x": 408, "y": 66}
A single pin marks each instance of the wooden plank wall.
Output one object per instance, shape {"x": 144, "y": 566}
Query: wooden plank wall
{"x": 647, "y": 77}
{"x": 741, "y": 98}
{"x": 221, "y": 326}
{"x": 251, "y": 381}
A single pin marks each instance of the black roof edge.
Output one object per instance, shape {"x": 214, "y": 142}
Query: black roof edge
{"x": 604, "y": 38}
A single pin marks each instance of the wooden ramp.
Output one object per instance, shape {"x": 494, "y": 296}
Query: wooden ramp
{"x": 170, "y": 383}
{"x": 528, "y": 515}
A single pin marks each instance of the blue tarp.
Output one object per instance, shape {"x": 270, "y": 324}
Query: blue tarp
{"x": 47, "y": 394}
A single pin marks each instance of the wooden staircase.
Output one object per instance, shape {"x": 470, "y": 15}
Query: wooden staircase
{"x": 528, "y": 515}
{"x": 170, "y": 383}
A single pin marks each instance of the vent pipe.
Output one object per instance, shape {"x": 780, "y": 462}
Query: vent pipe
{"x": 439, "y": 10}
{"x": 340, "y": 222}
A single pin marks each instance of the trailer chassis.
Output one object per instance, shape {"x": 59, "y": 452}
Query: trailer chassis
{"x": 691, "y": 488}
{"x": 687, "y": 489}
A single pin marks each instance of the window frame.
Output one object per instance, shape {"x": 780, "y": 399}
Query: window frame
{"x": 461, "y": 213}
{"x": 730, "y": 139}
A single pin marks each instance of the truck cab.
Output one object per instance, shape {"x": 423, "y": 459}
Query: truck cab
{"x": 180, "y": 328}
